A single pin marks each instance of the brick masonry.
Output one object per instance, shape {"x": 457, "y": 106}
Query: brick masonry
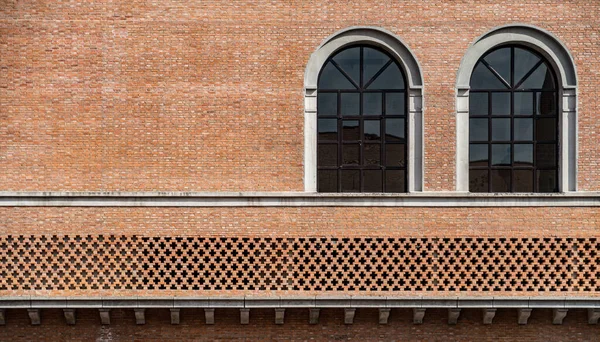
{"x": 331, "y": 326}
{"x": 208, "y": 95}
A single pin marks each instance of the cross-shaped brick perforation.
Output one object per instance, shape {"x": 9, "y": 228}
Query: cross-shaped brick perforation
{"x": 95, "y": 262}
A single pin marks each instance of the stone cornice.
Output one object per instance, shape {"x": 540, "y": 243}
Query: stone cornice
{"x": 294, "y": 199}
{"x": 532, "y": 302}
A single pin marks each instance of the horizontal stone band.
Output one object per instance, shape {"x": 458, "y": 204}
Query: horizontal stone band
{"x": 294, "y": 199}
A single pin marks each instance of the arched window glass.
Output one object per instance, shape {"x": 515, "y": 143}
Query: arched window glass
{"x": 362, "y": 130}
{"x": 513, "y": 123}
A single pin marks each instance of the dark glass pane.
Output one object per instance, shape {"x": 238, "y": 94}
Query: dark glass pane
{"x": 546, "y": 181}
{"x": 394, "y": 181}
{"x": 500, "y": 154}
{"x": 373, "y": 180}
{"x": 327, "y": 155}
{"x": 350, "y": 180}
{"x": 478, "y": 104}
{"x": 545, "y": 129}
{"x": 523, "y": 180}
{"x": 372, "y": 103}
{"x": 394, "y": 129}
{"x": 478, "y": 181}
{"x": 350, "y": 154}
{"x": 350, "y": 103}
{"x": 327, "y": 104}
{"x": 500, "y": 103}
{"x": 523, "y": 129}
{"x": 349, "y": 61}
{"x": 523, "y": 103}
{"x": 372, "y": 130}
{"x": 351, "y": 130}
{"x": 478, "y": 129}
{"x": 390, "y": 78}
{"x": 540, "y": 79}
{"x": 395, "y": 155}
{"x": 372, "y": 154}
{"x": 546, "y": 103}
{"x": 332, "y": 78}
{"x": 327, "y": 180}
{"x": 500, "y": 129}
{"x": 499, "y": 60}
{"x": 500, "y": 180}
{"x": 524, "y": 61}
{"x": 478, "y": 155}
{"x": 482, "y": 78}
{"x": 327, "y": 129}
{"x": 523, "y": 155}
{"x": 394, "y": 104}
{"x": 545, "y": 155}
{"x": 373, "y": 61}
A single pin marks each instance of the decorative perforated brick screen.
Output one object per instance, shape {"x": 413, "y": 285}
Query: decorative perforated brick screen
{"x": 299, "y": 264}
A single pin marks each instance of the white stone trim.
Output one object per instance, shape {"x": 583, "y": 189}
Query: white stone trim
{"x": 294, "y": 199}
{"x": 562, "y": 62}
{"x": 393, "y": 45}
{"x": 315, "y": 301}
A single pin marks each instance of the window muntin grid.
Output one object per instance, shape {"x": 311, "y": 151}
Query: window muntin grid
{"x": 513, "y": 123}
{"x": 361, "y": 128}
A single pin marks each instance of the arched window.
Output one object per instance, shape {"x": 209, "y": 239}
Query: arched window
{"x": 516, "y": 113}
{"x": 362, "y": 126}
{"x": 513, "y": 123}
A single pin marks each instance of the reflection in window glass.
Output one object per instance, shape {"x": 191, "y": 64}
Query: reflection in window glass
{"x": 327, "y": 181}
{"x": 372, "y": 130}
{"x": 501, "y": 154}
{"x": 499, "y": 61}
{"x": 523, "y": 180}
{"x": 328, "y": 129}
{"x": 349, "y": 61}
{"x": 361, "y": 106}
{"x": 332, "y": 78}
{"x": 394, "y": 155}
{"x": 478, "y": 181}
{"x": 523, "y": 154}
{"x": 500, "y": 103}
{"x": 350, "y": 103}
{"x": 327, "y": 154}
{"x": 394, "y": 103}
{"x": 478, "y": 155}
{"x": 394, "y": 129}
{"x": 327, "y": 103}
{"x": 500, "y": 129}
{"x": 513, "y": 92}
{"x": 523, "y": 129}
{"x": 372, "y": 154}
{"x": 478, "y": 104}
{"x": 523, "y": 103}
{"x": 478, "y": 129}
{"x": 372, "y": 103}
{"x": 351, "y": 130}
{"x": 373, "y": 180}
{"x": 500, "y": 180}
{"x": 350, "y": 180}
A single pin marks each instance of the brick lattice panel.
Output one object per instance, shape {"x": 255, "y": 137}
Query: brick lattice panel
{"x": 299, "y": 264}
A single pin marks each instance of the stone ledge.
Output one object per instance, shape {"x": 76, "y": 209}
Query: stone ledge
{"x": 301, "y": 302}
{"x": 295, "y": 199}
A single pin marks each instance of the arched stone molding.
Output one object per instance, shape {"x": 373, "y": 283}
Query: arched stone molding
{"x": 562, "y": 62}
{"x": 393, "y": 45}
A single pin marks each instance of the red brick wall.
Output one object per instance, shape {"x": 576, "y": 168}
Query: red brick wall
{"x": 305, "y": 222}
{"x": 296, "y": 327}
{"x": 207, "y": 95}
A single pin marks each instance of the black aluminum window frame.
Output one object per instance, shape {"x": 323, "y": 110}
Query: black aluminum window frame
{"x": 362, "y": 168}
{"x": 512, "y": 89}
